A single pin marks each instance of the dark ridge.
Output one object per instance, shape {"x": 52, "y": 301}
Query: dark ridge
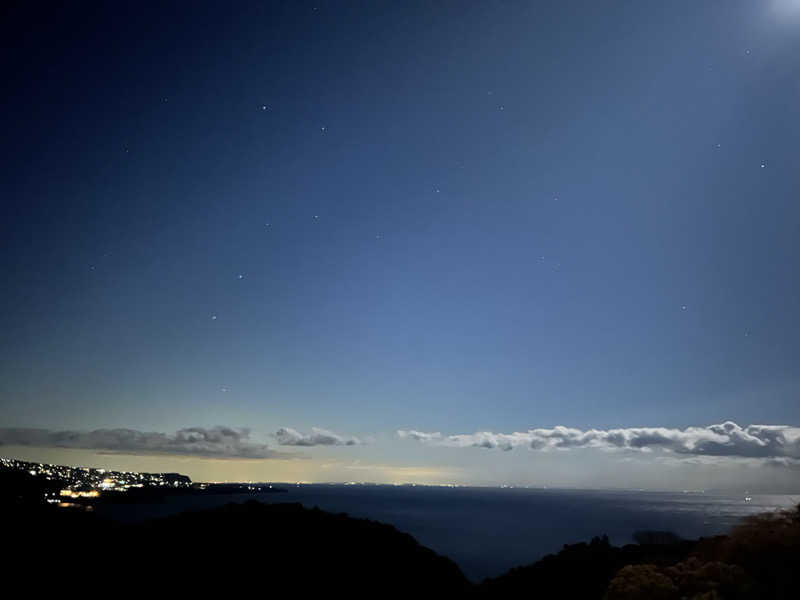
{"x": 582, "y": 570}
{"x": 233, "y": 549}
{"x": 255, "y": 548}
{"x": 759, "y": 559}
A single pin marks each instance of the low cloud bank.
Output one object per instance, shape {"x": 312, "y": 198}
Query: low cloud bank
{"x": 724, "y": 439}
{"x": 214, "y": 442}
{"x": 287, "y": 436}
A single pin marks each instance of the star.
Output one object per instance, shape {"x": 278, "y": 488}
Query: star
{"x": 224, "y": 388}
{"x": 683, "y": 307}
{"x": 316, "y": 216}
{"x": 263, "y": 107}
{"x": 763, "y": 165}
{"x": 323, "y": 129}
{"x": 502, "y": 107}
{"x": 240, "y": 276}
{"x": 213, "y": 317}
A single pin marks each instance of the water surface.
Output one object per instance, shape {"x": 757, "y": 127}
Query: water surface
{"x": 489, "y": 530}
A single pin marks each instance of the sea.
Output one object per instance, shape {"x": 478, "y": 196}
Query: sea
{"x": 487, "y": 531}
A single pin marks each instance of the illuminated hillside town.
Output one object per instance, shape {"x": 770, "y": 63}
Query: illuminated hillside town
{"x": 59, "y": 483}
{"x": 86, "y": 482}
{"x": 72, "y": 486}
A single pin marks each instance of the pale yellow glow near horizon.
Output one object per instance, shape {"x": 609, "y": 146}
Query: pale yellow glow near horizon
{"x": 237, "y": 469}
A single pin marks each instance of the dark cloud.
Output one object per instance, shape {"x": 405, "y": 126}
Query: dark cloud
{"x": 216, "y": 442}
{"x": 287, "y": 436}
{"x": 724, "y": 439}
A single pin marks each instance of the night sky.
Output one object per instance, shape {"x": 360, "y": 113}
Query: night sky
{"x": 385, "y": 241}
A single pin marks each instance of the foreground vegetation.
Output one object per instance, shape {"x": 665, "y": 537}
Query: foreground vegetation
{"x": 759, "y": 559}
{"x": 256, "y": 548}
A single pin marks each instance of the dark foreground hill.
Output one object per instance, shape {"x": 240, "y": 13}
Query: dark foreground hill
{"x": 234, "y": 550}
{"x": 759, "y": 559}
{"x": 281, "y": 549}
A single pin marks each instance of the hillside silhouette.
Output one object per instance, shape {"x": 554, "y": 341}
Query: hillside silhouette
{"x": 234, "y": 549}
{"x": 760, "y": 558}
{"x": 288, "y": 549}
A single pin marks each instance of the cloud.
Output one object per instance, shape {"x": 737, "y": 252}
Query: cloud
{"x": 724, "y": 439}
{"x": 419, "y": 435}
{"x": 214, "y": 442}
{"x": 287, "y": 436}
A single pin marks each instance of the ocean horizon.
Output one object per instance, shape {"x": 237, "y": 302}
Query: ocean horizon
{"x": 488, "y": 530}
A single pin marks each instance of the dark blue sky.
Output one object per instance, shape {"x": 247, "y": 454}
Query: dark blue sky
{"x": 451, "y": 216}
